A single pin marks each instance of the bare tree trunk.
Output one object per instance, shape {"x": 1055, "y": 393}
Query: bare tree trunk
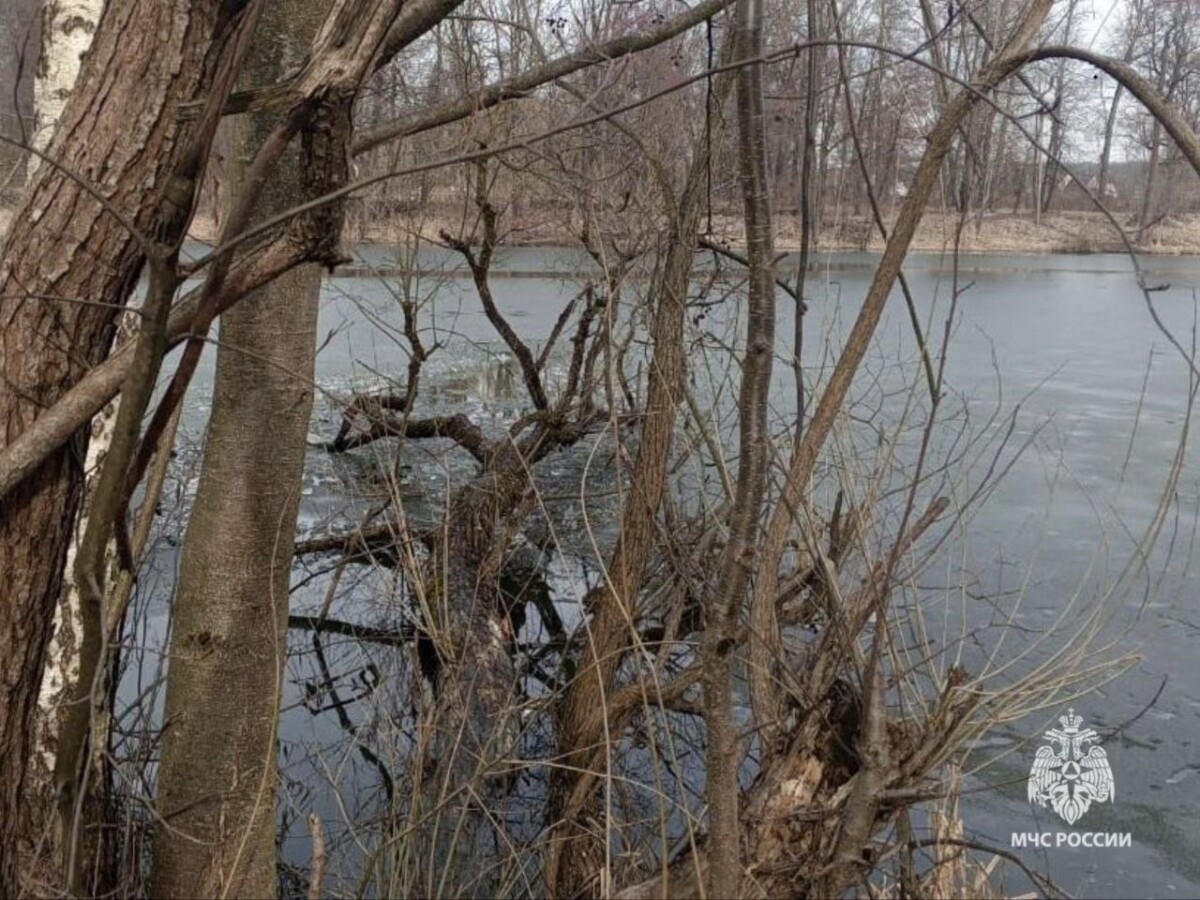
{"x": 470, "y": 725}
{"x": 1057, "y": 119}
{"x": 67, "y": 30}
{"x": 573, "y": 853}
{"x": 1051, "y": 177}
{"x": 808, "y": 206}
{"x": 120, "y": 130}
{"x": 999, "y": 159}
{"x": 725, "y": 605}
{"x": 217, "y": 782}
{"x": 1038, "y": 172}
{"x": 1110, "y": 126}
{"x": 1147, "y": 208}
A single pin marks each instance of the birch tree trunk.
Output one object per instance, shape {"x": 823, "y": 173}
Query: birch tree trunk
{"x": 120, "y": 132}
{"x": 217, "y": 782}
{"x": 67, "y": 29}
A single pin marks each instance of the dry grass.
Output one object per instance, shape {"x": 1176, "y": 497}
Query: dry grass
{"x": 1067, "y": 232}
{"x": 955, "y": 872}
{"x": 949, "y": 868}
{"x": 1002, "y": 233}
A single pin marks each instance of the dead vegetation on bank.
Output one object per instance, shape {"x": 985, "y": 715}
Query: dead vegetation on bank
{"x": 1000, "y": 233}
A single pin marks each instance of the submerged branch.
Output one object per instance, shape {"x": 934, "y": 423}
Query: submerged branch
{"x": 458, "y": 428}
{"x": 323, "y": 625}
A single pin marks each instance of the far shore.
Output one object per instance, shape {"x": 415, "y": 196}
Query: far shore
{"x": 993, "y": 233}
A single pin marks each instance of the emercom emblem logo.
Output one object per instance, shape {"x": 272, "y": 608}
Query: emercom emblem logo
{"x": 1071, "y": 772}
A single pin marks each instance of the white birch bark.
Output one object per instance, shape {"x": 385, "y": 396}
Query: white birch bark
{"x": 67, "y": 29}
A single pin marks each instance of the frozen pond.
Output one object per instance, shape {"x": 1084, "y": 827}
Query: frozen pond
{"x": 1065, "y": 342}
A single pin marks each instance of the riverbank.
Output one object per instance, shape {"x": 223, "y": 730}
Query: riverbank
{"x": 1006, "y": 233}
{"x": 995, "y": 233}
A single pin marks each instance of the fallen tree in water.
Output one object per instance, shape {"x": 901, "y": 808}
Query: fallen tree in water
{"x": 746, "y": 699}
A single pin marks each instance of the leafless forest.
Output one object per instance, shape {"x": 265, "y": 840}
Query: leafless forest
{"x": 756, "y": 693}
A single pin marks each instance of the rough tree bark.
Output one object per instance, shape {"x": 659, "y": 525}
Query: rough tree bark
{"x": 67, "y": 268}
{"x": 217, "y": 781}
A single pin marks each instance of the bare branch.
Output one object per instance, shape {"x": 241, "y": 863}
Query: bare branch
{"x": 520, "y": 85}
{"x": 458, "y": 428}
{"x": 480, "y": 266}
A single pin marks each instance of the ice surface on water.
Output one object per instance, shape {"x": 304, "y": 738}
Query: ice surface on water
{"x": 1073, "y": 342}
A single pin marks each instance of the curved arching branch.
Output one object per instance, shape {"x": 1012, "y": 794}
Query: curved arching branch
{"x": 1177, "y": 126}
{"x": 829, "y": 406}
{"x": 1004, "y": 66}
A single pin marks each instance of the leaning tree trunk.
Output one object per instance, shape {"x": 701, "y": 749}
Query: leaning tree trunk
{"x": 216, "y": 785}
{"x": 469, "y": 725}
{"x": 574, "y": 852}
{"x": 120, "y": 131}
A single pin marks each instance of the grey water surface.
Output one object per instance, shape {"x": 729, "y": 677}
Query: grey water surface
{"x": 1059, "y": 352}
